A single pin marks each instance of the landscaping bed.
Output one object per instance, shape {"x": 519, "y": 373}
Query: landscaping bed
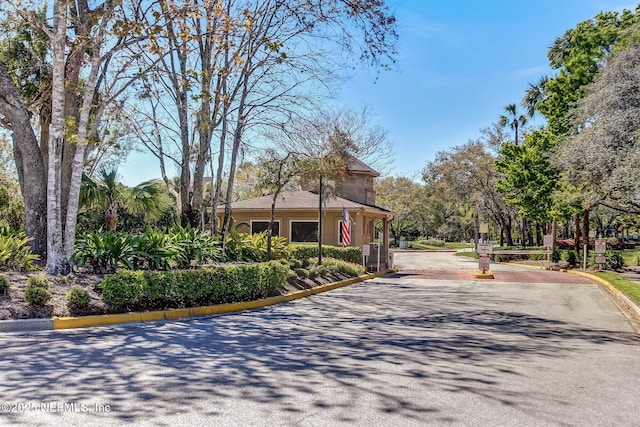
{"x": 13, "y": 305}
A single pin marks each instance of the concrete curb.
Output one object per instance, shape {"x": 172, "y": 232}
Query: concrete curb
{"x": 36, "y": 325}
{"x": 617, "y": 293}
{"x": 21, "y": 325}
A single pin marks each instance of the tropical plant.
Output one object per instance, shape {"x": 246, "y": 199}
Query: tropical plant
{"x": 153, "y": 250}
{"x": 513, "y": 120}
{"x": 192, "y": 245}
{"x": 15, "y": 252}
{"x": 105, "y": 252}
{"x": 148, "y": 198}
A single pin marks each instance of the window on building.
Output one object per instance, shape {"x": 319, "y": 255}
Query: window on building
{"x": 260, "y": 226}
{"x": 304, "y": 231}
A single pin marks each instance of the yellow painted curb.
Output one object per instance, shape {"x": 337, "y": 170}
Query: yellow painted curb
{"x": 180, "y": 313}
{"x": 477, "y": 274}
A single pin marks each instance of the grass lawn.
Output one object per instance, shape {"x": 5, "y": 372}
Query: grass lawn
{"x": 447, "y": 246}
{"x": 468, "y": 254}
{"x": 630, "y": 289}
{"x": 631, "y": 257}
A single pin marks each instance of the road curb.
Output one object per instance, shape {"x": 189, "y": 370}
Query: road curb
{"x": 22, "y": 325}
{"x": 57, "y": 323}
{"x": 617, "y": 293}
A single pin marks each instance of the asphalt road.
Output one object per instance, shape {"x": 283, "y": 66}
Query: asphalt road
{"x": 426, "y": 346}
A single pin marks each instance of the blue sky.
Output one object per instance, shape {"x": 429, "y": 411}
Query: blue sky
{"x": 460, "y": 62}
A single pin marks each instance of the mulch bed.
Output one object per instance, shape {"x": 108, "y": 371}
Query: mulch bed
{"x": 14, "y": 306}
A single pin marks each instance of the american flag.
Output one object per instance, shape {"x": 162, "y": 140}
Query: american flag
{"x": 345, "y": 230}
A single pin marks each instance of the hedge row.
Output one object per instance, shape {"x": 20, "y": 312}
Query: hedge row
{"x": 153, "y": 290}
{"x": 350, "y": 253}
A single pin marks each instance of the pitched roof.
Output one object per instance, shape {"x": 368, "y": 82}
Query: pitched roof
{"x": 358, "y": 166}
{"x": 301, "y": 200}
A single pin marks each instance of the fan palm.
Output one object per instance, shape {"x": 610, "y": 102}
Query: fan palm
{"x": 147, "y": 198}
{"x": 513, "y": 120}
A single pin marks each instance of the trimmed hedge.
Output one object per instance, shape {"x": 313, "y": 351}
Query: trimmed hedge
{"x": 302, "y": 252}
{"x": 153, "y": 290}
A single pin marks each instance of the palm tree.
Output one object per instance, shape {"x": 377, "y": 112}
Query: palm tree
{"x": 147, "y": 198}
{"x": 513, "y": 120}
{"x": 534, "y": 95}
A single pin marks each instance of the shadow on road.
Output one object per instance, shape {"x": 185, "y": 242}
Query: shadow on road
{"x": 326, "y": 353}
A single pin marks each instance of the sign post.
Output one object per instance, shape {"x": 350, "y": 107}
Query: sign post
{"x": 484, "y": 257}
{"x": 548, "y": 243}
{"x": 600, "y": 248}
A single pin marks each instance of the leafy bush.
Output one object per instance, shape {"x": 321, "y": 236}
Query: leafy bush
{"x": 104, "y": 252}
{"x": 140, "y": 290}
{"x": 432, "y": 242}
{"x": 153, "y": 250}
{"x": 15, "y": 252}
{"x": 555, "y": 256}
{"x": 4, "y": 285}
{"x": 301, "y": 273}
{"x": 37, "y": 296}
{"x": 350, "y": 253}
{"x": 77, "y": 298}
{"x": 38, "y": 281}
{"x": 334, "y": 266}
{"x": 571, "y": 257}
{"x": 614, "y": 262}
{"x": 193, "y": 246}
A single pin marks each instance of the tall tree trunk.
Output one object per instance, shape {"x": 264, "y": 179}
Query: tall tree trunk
{"x": 508, "y": 227}
{"x": 585, "y": 232}
{"x": 84, "y": 133}
{"x": 111, "y": 214}
{"x": 56, "y": 262}
{"x": 576, "y": 233}
{"x": 29, "y": 163}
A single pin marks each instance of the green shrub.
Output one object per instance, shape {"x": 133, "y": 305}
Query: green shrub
{"x": 555, "y": 256}
{"x": 192, "y": 246}
{"x": 615, "y": 262}
{"x": 38, "y": 281}
{"x": 571, "y": 258}
{"x": 302, "y": 252}
{"x": 104, "y": 252}
{"x": 4, "y": 285}
{"x": 432, "y": 242}
{"x": 77, "y": 298}
{"x": 15, "y": 252}
{"x": 153, "y": 250}
{"x": 140, "y": 290}
{"x": 37, "y": 296}
{"x": 302, "y": 273}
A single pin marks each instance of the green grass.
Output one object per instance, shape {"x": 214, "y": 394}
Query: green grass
{"x": 468, "y": 254}
{"x": 630, "y": 289}
{"x": 447, "y": 246}
{"x": 631, "y": 256}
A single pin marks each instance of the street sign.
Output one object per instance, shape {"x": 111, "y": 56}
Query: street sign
{"x": 601, "y": 260}
{"x": 366, "y": 250}
{"x": 484, "y": 228}
{"x": 485, "y": 248}
{"x": 484, "y": 262}
{"x": 548, "y": 240}
{"x": 601, "y": 246}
